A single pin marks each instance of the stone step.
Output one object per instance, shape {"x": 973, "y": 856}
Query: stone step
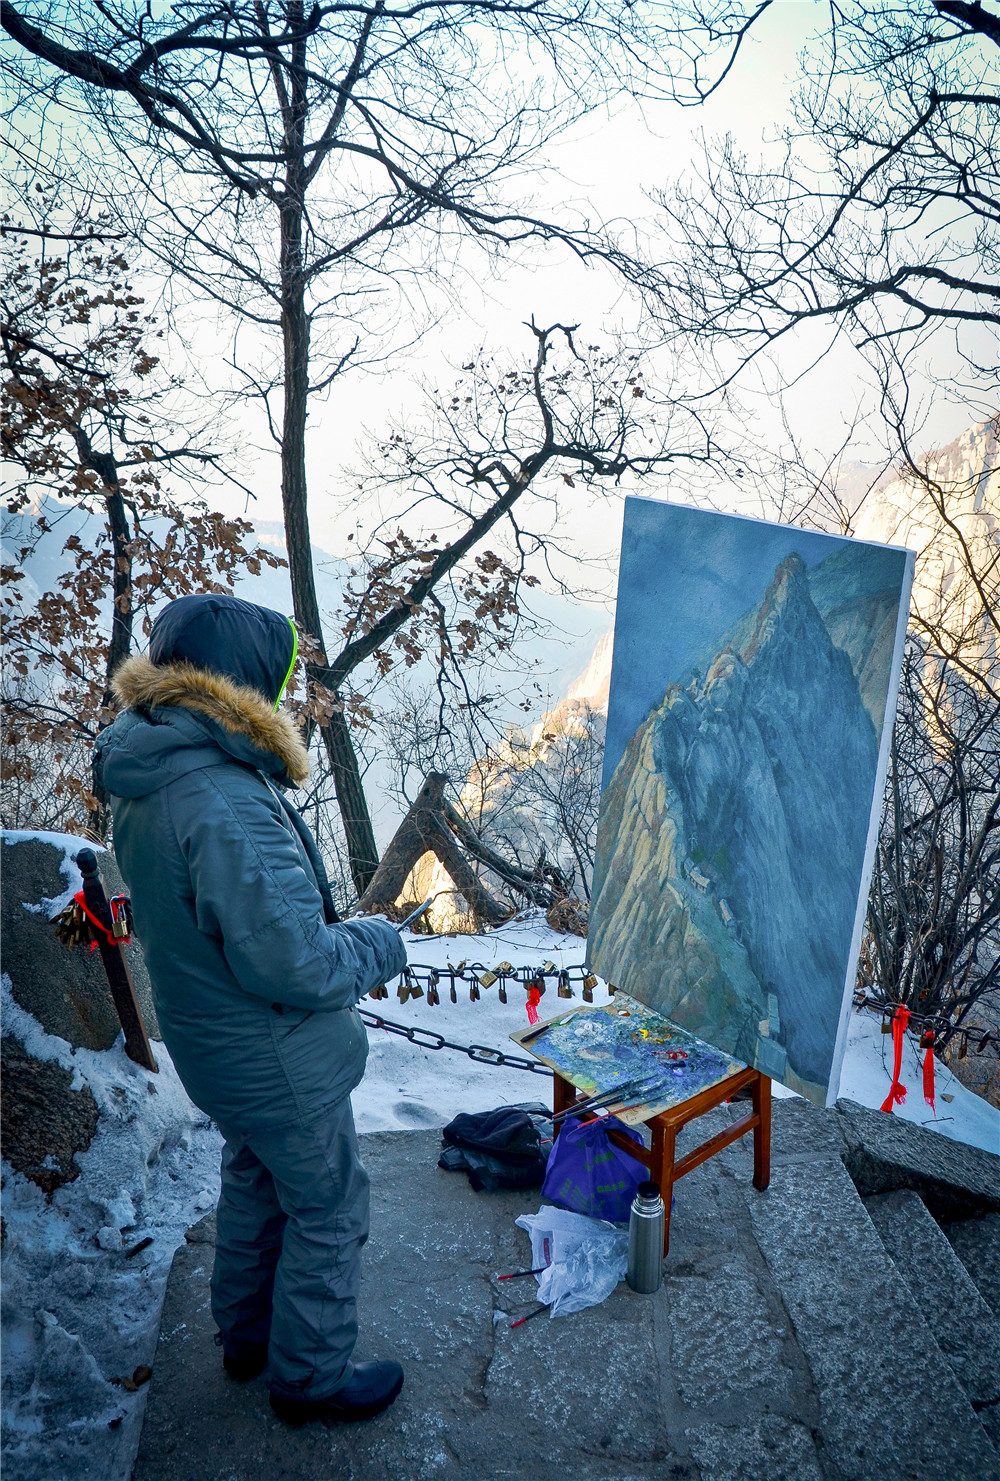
{"x": 976, "y": 1242}
{"x": 966, "y": 1329}
{"x": 890, "y": 1406}
{"x": 783, "y": 1344}
{"x": 884, "y": 1152}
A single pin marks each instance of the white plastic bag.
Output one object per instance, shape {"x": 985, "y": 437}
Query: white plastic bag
{"x": 585, "y": 1258}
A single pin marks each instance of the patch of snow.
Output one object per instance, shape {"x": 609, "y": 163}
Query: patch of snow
{"x": 407, "y": 1086}
{"x": 867, "y": 1074}
{"x": 77, "y": 1311}
{"x": 68, "y": 847}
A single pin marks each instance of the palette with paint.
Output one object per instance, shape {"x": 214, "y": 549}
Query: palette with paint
{"x": 597, "y": 1048}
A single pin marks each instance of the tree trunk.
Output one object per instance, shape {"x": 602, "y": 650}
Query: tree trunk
{"x": 362, "y": 852}
{"x": 424, "y": 830}
{"x": 106, "y": 468}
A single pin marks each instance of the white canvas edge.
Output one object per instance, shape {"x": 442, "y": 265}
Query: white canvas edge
{"x": 874, "y": 824}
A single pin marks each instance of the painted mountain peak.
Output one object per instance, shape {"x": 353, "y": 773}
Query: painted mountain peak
{"x": 733, "y": 830}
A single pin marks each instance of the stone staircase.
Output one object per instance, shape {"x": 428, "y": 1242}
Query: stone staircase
{"x": 951, "y": 1273}
{"x": 807, "y": 1333}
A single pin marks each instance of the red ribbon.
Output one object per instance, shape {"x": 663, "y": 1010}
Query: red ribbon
{"x": 897, "y": 1090}
{"x": 929, "y": 1071}
{"x": 113, "y": 940}
{"x": 534, "y": 998}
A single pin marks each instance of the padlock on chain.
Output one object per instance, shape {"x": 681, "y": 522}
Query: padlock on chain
{"x": 72, "y": 927}
{"x": 121, "y": 917}
{"x": 489, "y": 977}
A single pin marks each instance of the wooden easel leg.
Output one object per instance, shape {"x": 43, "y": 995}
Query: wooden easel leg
{"x": 662, "y": 1172}
{"x": 761, "y": 1101}
{"x": 563, "y": 1096}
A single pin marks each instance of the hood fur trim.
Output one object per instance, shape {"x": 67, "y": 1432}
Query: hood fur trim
{"x": 237, "y": 708}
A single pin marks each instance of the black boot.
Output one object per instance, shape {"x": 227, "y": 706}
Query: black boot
{"x": 371, "y": 1388}
{"x": 247, "y": 1364}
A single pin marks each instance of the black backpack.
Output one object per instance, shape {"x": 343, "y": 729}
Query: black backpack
{"x": 505, "y": 1148}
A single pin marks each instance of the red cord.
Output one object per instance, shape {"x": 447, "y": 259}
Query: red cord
{"x": 897, "y": 1090}
{"x": 113, "y": 940}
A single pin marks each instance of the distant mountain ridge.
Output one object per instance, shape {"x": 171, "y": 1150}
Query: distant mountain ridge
{"x": 734, "y": 827}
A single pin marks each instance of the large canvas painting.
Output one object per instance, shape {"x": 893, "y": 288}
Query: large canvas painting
{"x": 752, "y": 693}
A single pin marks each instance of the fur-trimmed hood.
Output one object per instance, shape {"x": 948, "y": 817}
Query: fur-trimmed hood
{"x": 179, "y": 718}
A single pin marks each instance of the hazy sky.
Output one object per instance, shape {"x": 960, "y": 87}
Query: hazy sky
{"x": 604, "y": 168}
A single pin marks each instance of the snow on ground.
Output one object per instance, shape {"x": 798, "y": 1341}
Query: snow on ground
{"x": 867, "y": 1075}
{"x": 406, "y": 1086}
{"x": 79, "y": 1312}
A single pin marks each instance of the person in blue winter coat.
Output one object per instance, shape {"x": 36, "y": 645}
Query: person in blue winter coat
{"x": 255, "y": 982}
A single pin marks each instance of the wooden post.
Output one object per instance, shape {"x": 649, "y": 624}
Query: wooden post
{"x": 760, "y": 1099}
{"x": 563, "y": 1096}
{"x": 137, "y": 1045}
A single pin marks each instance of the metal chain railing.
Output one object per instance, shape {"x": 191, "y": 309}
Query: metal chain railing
{"x": 934, "y": 1023}
{"x": 480, "y": 1053}
{"x": 418, "y": 979}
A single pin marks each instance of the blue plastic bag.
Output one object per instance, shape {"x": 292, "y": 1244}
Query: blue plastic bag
{"x": 587, "y": 1173}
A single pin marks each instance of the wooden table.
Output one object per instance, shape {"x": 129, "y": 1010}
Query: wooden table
{"x": 660, "y": 1158}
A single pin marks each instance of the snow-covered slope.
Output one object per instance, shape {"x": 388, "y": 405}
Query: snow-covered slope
{"x": 80, "y": 1314}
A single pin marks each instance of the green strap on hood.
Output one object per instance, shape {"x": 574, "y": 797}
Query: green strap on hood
{"x": 291, "y": 666}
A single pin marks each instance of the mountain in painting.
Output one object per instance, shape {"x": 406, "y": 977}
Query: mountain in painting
{"x": 733, "y": 829}
{"x": 856, "y": 592}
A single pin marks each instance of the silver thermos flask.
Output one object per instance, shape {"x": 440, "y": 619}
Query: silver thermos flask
{"x": 645, "y": 1240}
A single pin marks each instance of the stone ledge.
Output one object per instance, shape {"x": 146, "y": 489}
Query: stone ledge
{"x": 883, "y": 1153}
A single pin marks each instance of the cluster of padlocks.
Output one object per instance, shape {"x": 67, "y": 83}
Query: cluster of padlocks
{"x": 418, "y": 981}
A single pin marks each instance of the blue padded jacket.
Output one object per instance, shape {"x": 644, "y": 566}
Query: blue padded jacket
{"x": 254, "y": 990}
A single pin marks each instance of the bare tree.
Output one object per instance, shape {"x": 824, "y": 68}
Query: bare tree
{"x": 503, "y": 447}
{"x": 878, "y": 222}
{"x": 300, "y": 166}
{"x": 540, "y": 794}
{"x": 933, "y": 937}
{"x": 87, "y": 420}
{"x": 933, "y": 924}
{"x": 874, "y": 221}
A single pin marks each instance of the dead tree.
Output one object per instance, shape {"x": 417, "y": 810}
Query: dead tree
{"x": 434, "y": 826}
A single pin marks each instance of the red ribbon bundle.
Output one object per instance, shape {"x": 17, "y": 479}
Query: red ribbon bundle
{"x": 929, "y": 1070}
{"x": 534, "y": 998}
{"x": 897, "y": 1090}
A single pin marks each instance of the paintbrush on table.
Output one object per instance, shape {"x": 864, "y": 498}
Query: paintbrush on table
{"x": 601, "y": 1098}
{"x": 632, "y": 1092}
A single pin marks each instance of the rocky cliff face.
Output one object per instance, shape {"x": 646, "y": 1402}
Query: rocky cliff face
{"x": 858, "y": 601}
{"x": 733, "y": 831}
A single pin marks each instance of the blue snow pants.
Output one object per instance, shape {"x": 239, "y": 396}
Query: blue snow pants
{"x": 292, "y": 1220}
